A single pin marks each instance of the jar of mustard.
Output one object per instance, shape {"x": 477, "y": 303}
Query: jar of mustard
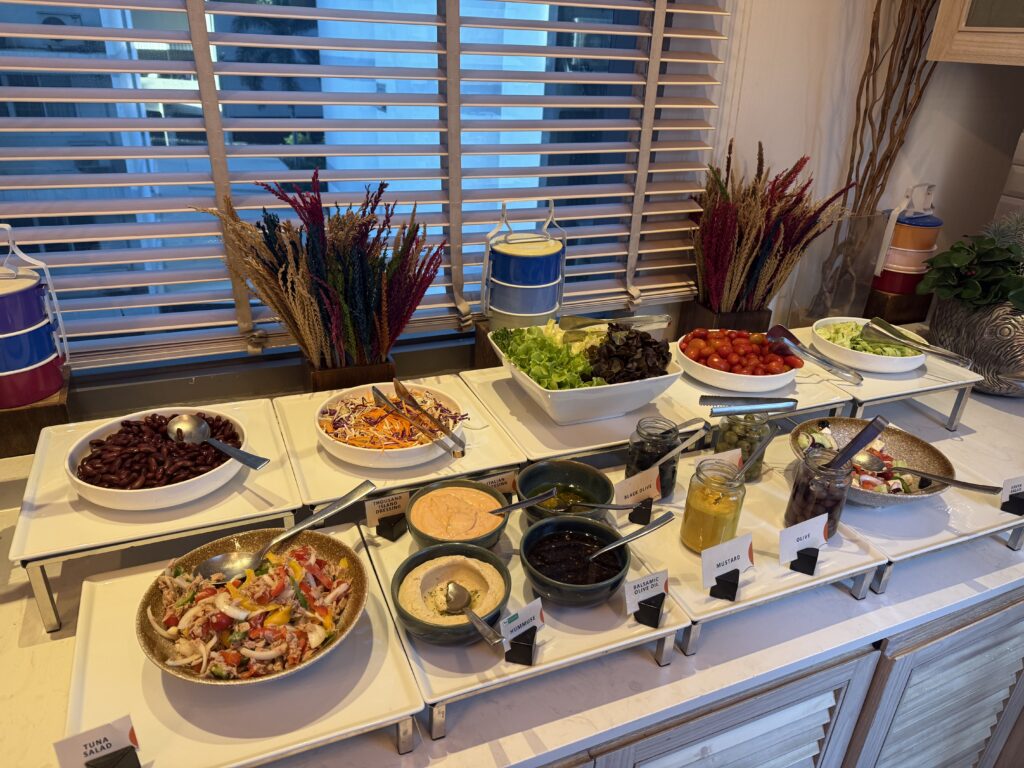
{"x": 713, "y": 504}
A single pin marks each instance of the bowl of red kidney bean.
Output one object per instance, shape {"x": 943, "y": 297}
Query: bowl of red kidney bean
{"x": 133, "y": 464}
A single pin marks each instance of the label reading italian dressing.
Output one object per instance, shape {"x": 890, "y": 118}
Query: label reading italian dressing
{"x": 503, "y": 483}
{"x": 386, "y": 506}
{"x": 735, "y": 553}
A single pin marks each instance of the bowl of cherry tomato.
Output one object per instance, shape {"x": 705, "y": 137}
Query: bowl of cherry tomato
{"x": 739, "y": 361}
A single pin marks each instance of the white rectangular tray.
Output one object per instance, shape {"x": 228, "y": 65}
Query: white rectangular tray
{"x": 846, "y": 556}
{"x": 323, "y": 477}
{"x": 944, "y": 520}
{"x": 541, "y": 438}
{"x": 55, "y": 521}
{"x": 934, "y": 375}
{"x": 571, "y": 635}
{"x": 362, "y": 686}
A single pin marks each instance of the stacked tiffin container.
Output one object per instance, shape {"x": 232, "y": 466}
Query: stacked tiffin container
{"x": 523, "y": 274}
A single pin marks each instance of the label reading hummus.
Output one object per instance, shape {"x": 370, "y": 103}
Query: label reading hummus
{"x": 422, "y": 593}
{"x": 455, "y": 513}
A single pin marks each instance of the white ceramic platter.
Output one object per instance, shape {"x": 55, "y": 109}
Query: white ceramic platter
{"x": 364, "y": 685}
{"x": 733, "y": 382}
{"x": 324, "y": 477}
{"x": 55, "y": 521}
{"x": 570, "y": 636}
{"x": 845, "y": 555}
{"x": 541, "y": 438}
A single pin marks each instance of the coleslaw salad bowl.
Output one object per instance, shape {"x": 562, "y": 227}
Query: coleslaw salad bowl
{"x": 862, "y": 361}
{"x": 393, "y": 458}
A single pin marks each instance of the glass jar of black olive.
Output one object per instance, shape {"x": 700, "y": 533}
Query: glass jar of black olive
{"x": 743, "y": 432}
{"x": 653, "y": 438}
{"x": 818, "y": 490}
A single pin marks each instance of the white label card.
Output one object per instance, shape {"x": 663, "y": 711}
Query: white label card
{"x": 1011, "y": 486}
{"x": 735, "y": 553}
{"x": 386, "y": 506}
{"x": 74, "y": 751}
{"x": 809, "y": 533}
{"x": 735, "y": 456}
{"x": 503, "y": 483}
{"x": 643, "y": 588}
{"x": 530, "y": 615}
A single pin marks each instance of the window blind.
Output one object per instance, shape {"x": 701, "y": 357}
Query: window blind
{"x": 120, "y": 118}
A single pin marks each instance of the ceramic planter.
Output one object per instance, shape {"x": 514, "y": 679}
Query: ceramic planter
{"x": 993, "y": 337}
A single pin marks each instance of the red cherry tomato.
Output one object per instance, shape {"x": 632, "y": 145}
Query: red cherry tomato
{"x": 772, "y": 358}
{"x": 742, "y": 334}
{"x": 688, "y": 336}
{"x": 759, "y": 370}
{"x": 705, "y": 352}
{"x": 747, "y": 370}
{"x": 692, "y": 353}
{"x": 713, "y": 360}
{"x": 793, "y": 361}
{"x": 741, "y": 348}
{"x": 757, "y": 338}
{"x": 731, "y": 335}
{"x": 724, "y": 349}
{"x": 737, "y": 369}
{"x": 774, "y": 367}
{"x": 219, "y": 621}
{"x": 752, "y": 360}
{"x": 696, "y": 344}
{"x": 734, "y": 359}
{"x": 700, "y": 333}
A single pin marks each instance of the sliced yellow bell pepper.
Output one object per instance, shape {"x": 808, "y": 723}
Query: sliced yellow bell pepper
{"x": 278, "y": 618}
{"x": 250, "y": 577}
{"x": 296, "y": 570}
{"x": 274, "y": 559}
{"x": 343, "y": 564}
{"x": 328, "y": 622}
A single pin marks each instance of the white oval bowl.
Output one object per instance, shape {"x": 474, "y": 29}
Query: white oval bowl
{"x": 150, "y": 498}
{"x": 862, "y": 361}
{"x": 733, "y": 382}
{"x": 393, "y": 458}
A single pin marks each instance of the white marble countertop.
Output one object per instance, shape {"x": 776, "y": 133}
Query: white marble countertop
{"x": 568, "y": 711}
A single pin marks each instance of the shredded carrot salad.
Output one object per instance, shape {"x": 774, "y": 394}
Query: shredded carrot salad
{"x": 360, "y": 422}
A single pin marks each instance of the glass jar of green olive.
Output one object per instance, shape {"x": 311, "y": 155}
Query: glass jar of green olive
{"x": 743, "y": 432}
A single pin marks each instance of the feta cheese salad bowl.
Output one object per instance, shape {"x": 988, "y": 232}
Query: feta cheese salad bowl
{"x": 839, "y": 339}
{"x": 297, "y": 607}
{"x": 894, "y": 447}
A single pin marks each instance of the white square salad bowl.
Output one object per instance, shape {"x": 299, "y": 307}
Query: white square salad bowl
{"x": 574, "y": 406}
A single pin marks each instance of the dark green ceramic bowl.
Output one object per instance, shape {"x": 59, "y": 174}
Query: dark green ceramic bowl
{"x": 572, "y": 594}
{"x": 536, "y": 478}
{"x": 459, "y": 634}
{"x": 487, "y": 541}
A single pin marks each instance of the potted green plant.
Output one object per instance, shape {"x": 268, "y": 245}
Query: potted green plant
{"x": 979, "y": 312}
{"x": 343, "y": 284}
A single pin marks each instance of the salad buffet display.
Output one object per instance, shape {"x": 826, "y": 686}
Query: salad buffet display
{"x": 305, "y": 597}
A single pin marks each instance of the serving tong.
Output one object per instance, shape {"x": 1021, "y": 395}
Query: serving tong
{"x": 878, "y": 329}
{"x": 457, "y": 450}
{"x": 407, "y": 397}
{"x": 575, "y": 326}
{"x": 728, "y": 405}
{"x": 780, "y": 334}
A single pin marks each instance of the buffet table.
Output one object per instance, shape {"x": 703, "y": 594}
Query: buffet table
{"x": 567, "y": 713}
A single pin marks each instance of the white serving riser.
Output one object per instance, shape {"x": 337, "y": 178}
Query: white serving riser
{"x": 323, "y": 477}
{"x": 846, "y": 556}
{"x": 934, "y": 375}
{"x": 571, "y": 635}
{"x": 540, "y": 438}
{"x": 362, "y": 686}
{"x": 54, "y": 521}
{"x": 952, "y": 517}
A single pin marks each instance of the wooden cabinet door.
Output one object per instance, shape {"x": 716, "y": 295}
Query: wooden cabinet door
{"x": 802, "y": 721}
{"x": 946, "y": 694}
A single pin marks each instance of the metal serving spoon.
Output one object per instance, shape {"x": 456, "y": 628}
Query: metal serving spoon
{"x": 550, "y": 493}
{"x": 651, "y": 527}
{"x": 189, "y": 428}
{"x": 232, "y": 564}
{"x": 773, "y": 430}
{"x": 872, "y": 463}
{"x": 456, "y": 601}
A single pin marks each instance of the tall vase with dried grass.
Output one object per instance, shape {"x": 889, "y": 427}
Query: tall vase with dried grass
{"x": 751, "y": 235}
{"x": 341, "y": 285}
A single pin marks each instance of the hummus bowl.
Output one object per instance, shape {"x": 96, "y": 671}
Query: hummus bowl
{"x": 562, "y": 592}
{"x": 416, "y": 585}
{"x": 456, "y": 511}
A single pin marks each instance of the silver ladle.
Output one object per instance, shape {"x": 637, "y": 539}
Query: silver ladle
{"x": 457, "y": 600}
{"x": 872, "y": 463}
{"x": 232, "y": 564}
{"x": 189, "y": 428}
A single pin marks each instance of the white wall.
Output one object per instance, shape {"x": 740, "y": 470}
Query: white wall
{"x": 791, "y": 82}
